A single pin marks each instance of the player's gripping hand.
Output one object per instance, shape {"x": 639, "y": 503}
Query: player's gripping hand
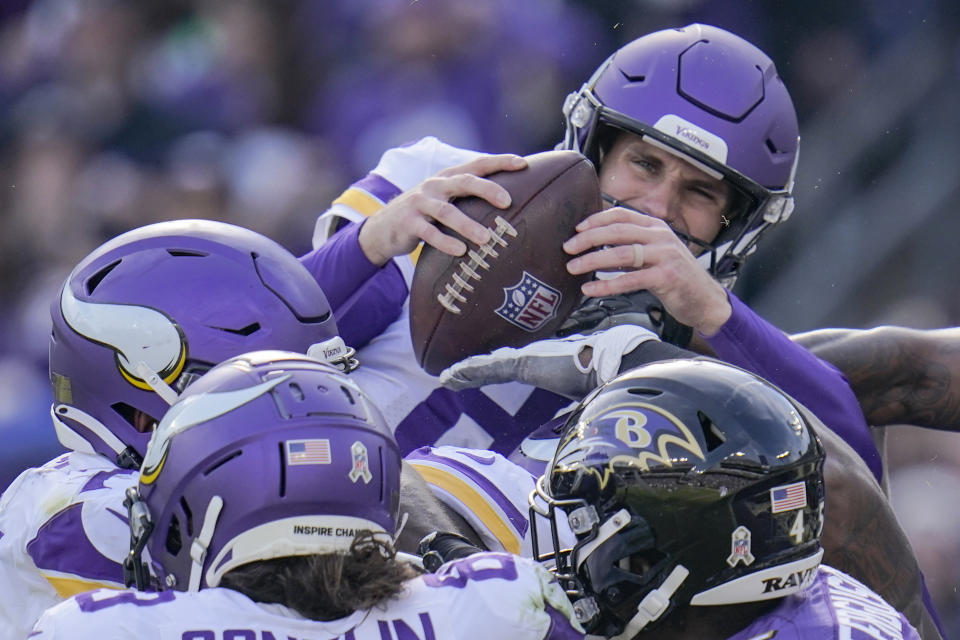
{"x": 649, "y": 256}
{"x": 571, "y": 366}
{"x": 422, "y": 213}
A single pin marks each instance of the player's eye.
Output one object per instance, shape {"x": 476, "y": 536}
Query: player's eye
{"x": 646, "y": 164}
{"x": 704, "y": 193}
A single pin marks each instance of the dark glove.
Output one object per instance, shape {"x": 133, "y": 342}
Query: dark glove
{"x": 641, "y": 308}
{"x": 439, "y": 547}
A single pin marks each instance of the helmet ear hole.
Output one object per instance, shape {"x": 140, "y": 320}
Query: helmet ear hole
{"x": 173, "y": 541}
{"x": 642, "y": 563}
{"x": 126, "y": 412}
{"x": 188, "y": 514}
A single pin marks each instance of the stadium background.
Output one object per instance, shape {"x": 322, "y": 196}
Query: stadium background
{"x": 116, "y": 114}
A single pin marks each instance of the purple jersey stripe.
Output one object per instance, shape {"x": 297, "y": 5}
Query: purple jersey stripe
{"x": 377, "y": 186}
{"x": 61, "y": 544}
{"x": 434, "y": 416}
{"x": 560, "y": 627}
{"x": 98, "y": 480}
{"x": 517, "y": 519}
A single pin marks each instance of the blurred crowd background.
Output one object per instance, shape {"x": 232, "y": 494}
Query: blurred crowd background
{"x": 116, "y": 114}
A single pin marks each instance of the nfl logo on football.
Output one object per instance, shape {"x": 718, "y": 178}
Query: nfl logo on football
{"x": 530, "y": 303}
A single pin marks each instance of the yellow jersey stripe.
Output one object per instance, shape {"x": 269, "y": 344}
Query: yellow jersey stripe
{"x": 67, "y": 587}
{"x": 360, "y": 201}
{"x": 366, "y": 204}
{"x": 473, "y": 501}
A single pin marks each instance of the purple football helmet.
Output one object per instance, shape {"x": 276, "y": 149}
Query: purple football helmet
{"x": 712, "y": 98}
{"x": 686, "y": 482}
{"x": 147, "y": 312}
{"x": 270, "y": 454}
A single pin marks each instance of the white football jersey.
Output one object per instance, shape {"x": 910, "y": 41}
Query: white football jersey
{"x": 415, "y": 405}
{"x": 400, "y": 168}
{"x": 491, "y": 493}
{"x": 487, "y": 595}
{"x": 63, "y": 530}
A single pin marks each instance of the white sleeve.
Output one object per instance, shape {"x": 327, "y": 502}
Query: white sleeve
{"x": 399, "y": 169}
{"x": 62, "y": 531}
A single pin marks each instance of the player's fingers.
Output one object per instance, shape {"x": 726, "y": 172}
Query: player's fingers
{"x": 615, "y": 258}
{"x": 624, "y": 283}
{"x": 436, "y": 238}
{"x": 452, "y": 218}
{"x": 475, "y": 371}
{"x": 614, "y": 215}
{"x": 487, "y": 164}
{"x": 466, "y": 184}
{"x": 612, "y": 234}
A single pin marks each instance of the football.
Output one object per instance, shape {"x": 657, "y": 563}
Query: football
{"x": 514, "y": 289}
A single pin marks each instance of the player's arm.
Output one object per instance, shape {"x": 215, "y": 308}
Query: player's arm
{"x": 574, "y": 365}
{"x": 647, "y": 255}
{"x": 900, "y": 375}
{"x": 485, "y": 491}
{"x": 51, "y": 556}
{"x": 425, "y": 514}
{"x": 365, "y": 298}
{"x": 749, "y": 341}
{"x": 862, "y": 537}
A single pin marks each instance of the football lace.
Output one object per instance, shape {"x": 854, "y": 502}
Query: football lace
{"x": 468, "y": 266}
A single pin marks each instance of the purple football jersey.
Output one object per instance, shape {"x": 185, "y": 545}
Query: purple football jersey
{"x": 834, "y": 606}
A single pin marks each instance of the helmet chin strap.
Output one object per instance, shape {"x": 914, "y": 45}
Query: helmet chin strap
{"x": 654, "y": 604}
{"x": 153, "y": 379}
{"x": 198, "y": 550}
{"x": 69, "y": 438}
{"x": 607, "y": 530}
{"x": 127, "y": 457}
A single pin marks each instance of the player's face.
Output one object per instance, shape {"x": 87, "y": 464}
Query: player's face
{"x": 663, "y": 185}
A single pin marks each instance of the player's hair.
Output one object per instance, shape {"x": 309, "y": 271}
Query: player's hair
{"x": 326, "y": 586}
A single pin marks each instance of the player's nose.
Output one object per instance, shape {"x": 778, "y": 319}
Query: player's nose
{"x": 657, "y": 201}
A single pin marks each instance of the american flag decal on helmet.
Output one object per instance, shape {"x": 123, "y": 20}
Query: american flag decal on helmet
{"x": 787, "y": 497}
{"x": 316, "y": 451}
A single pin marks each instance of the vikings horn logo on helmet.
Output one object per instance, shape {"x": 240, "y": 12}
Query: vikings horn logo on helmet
{"x": 135, "y": 333}
{"x": 191, "y": 412}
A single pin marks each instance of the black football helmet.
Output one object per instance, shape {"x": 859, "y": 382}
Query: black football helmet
{"x": 686, "y": 482}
